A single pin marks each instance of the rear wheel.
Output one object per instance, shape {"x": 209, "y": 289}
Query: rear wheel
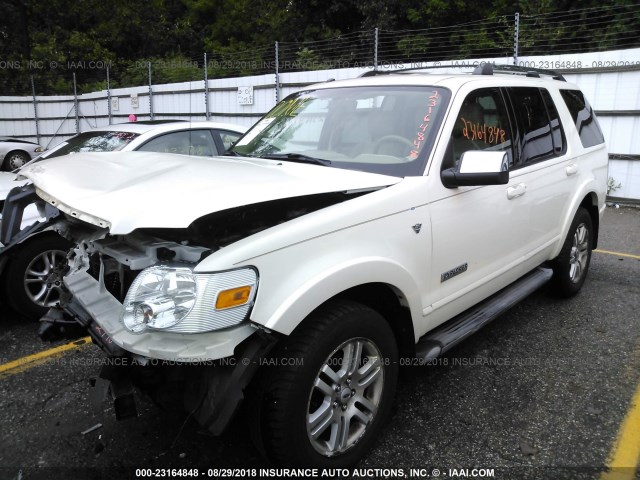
{"x": 571, "y": 266}
{"x": 330, "y": 388}
{"x": 15, "y": 160}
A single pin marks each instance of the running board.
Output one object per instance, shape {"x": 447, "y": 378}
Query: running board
{"x": 441, "y": 339}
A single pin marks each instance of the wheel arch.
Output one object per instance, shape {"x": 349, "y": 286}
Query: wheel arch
{"x": 387, "y": 301}
{"x": 590, "y": 204}
{"x": 384, "y": 286}
{"x": 588, "y": 200}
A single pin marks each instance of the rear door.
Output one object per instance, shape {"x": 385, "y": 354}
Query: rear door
{"x": 543, "y": 169}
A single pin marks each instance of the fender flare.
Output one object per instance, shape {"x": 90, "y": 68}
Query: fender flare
{"x": 329, "y": 283}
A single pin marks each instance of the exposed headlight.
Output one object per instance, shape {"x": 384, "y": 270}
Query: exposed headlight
{"x": 159, "y": 298}
{"x": 176, "y": 299}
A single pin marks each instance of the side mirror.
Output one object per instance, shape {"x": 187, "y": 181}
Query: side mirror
{"x": 478, "y": 168}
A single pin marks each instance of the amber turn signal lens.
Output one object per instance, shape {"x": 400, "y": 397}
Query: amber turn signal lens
{"x": 233, "y": 297}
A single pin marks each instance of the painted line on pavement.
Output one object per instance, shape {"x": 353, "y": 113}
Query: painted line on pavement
{"x": 624, "y": 459}
{"x": 30, "y": 361}
{"x": 618, "y": 254}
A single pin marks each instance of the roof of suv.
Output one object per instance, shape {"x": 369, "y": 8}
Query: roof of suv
{"x": 509, "y": 77}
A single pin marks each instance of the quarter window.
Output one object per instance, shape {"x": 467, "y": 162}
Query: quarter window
{"x": 228, "y": 138}
{"x": 584, "y": 118}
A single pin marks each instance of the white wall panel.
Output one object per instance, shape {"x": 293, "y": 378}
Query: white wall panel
{"x": 608, "y": 92}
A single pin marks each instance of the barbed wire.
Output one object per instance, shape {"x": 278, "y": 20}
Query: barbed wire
{"x": 576, "y": 31}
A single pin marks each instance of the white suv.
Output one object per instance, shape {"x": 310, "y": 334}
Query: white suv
{"x": 359, "y": 226}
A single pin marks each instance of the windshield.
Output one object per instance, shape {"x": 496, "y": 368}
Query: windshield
{"x": 388, "y": 130}
{"x": 94, "y": 142}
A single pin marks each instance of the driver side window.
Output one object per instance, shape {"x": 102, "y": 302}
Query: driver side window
{"x": 481, "y": 124}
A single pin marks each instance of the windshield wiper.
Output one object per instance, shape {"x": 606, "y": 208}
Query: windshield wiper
{"x": 297, "y": 157}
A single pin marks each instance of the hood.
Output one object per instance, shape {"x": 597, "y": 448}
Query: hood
{"x": 9, "y": 180}
{"x": 132, "y": 190}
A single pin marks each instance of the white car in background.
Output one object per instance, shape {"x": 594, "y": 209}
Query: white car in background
{"x": 31, "y": 271}
{"x": 15, "y": 152}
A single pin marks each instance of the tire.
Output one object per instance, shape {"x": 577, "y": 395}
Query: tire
{"x": 312, "y": 410}
{"x": 570, "y": 268}
{"x": 33, "y": 276}
{"x": 14, "y": 160}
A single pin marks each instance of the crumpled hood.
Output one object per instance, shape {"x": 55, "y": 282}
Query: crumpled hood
{"x": 132, "y": 190}
{"x": 8, "y": 180}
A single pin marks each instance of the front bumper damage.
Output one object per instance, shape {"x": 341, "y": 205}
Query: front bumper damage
{"x": 168, "y": 367}
{"x": 206, "y": 372}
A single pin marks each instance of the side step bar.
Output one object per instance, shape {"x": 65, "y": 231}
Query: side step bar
{"x": 441, "y": 339}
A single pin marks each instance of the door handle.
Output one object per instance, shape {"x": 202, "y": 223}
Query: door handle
{"x": 516, "y": 191}
{"x": 571, "y": 169}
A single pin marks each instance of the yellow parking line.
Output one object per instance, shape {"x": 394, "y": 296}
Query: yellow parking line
{"x": 25, "y": 363}
{"x": 618, "y": 254}
{"x": 624, "y": 458}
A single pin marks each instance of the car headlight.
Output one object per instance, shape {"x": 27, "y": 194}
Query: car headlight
{"x": 175, "y": 299}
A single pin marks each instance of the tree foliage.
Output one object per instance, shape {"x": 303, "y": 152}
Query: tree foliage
{"x": 51, "y": 41}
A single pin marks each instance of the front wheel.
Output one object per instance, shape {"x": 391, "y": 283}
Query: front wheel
{"x": 33, "y": 277}
{"x": 325, "y": 399}
{"x": 571, "y": 266}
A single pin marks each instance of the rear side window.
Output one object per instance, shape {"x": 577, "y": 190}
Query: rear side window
{"x": 584, "y": 118}
{"x": 185, "y": 142}
{"x": 539, "y": 137}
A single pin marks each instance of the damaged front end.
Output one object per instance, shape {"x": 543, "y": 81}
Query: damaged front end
{"x": 165, "y": 328}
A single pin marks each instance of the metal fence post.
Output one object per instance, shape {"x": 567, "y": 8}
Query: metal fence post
{"x": 277, "y": 75}
{"x": 516, "y": 33}
{"x": 108, "y": 96}
{"x": 206, "y": 89}
{"x": 35, "y": 109}
{"x": 150, "y": 95}
{"x": 375, "y": 50}
{"x": 75, "y": 103}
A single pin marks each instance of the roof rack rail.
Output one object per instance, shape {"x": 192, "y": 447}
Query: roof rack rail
{"x": 482, "y": 69}
{"x": 490, "y": 69}
{"x": 373, "y": 73}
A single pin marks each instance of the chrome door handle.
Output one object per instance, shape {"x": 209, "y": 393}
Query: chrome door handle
{"x": 516, "y": 191}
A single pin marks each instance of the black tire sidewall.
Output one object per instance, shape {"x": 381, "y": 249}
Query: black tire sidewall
{"x": 13, "y": 276}
{"x": 359, "y": 322}
{"x": 7, "y": 162}
{"x": 562, "y": 283}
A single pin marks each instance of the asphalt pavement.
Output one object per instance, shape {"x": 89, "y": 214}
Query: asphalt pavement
{"x": 539, "y": 393}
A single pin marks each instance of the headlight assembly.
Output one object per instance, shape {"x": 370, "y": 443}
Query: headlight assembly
{"x": 175, "y": 299}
